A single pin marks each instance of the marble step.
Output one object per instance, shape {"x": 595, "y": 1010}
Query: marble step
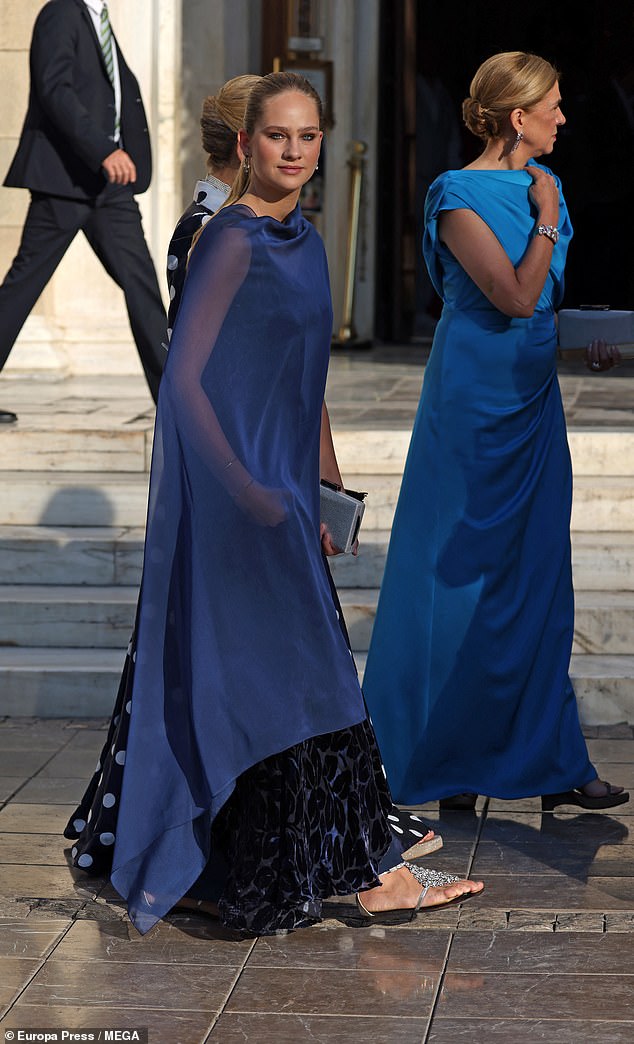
{"x": 604, "y": 623}
{"x": 103, "y": 616}
{"x": 57, "y": 616}
{"x": 64, "y": 683}
{"x": 112, "y": 555}
{"x": 71, "y": 555}
{"x": 599, "y": 502}
{"x": 369, "y": 452}
{"x": 604, "y": 620}
{"x": 602, "y": 561}
{"x": 59, "y": 683}
{"x": 57, "y": 498}
{"x": 115, "y": 439}
{"x": 604, "y": 686}
{"x": 78, "y": 446}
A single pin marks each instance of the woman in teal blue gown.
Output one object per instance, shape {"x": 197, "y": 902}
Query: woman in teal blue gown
{"x": 467, "y": 675}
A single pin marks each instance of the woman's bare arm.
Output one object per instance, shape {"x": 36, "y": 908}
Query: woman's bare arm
{"x": 328, "y": 467}
{"x": 513, "y": 291}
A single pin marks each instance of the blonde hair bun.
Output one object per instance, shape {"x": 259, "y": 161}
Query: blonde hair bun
{"x": 506, "y": 81}
{"x": 223, "y": 116}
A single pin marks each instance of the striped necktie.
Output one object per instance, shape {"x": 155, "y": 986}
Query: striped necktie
{"x": 105, "y": 39}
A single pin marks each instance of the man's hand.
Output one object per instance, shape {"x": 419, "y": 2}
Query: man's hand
{"x": 119, "y": 168}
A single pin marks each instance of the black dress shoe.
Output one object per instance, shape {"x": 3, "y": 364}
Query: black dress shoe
{"x": 613, "y": 796}
{"x": 6, "y": 417}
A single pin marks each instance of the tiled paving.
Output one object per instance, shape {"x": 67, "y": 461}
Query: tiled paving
{"x": 544, "y": 955}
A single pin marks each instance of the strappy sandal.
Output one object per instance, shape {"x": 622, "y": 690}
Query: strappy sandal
{"x": 610, "y": 799}
{"x": 428, "y": 879}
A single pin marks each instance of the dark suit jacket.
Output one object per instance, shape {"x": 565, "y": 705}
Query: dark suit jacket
{"x": 69, "y": 124}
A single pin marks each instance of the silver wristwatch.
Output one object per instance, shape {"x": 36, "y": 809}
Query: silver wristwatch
{"x": 550, "y": 231}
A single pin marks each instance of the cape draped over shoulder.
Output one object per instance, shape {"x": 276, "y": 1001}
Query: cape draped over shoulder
{"x": 467, "y": 674}
{"x": 240, "y": 654}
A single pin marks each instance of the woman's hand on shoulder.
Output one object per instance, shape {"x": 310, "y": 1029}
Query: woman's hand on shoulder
{"x": 545, "y": 194}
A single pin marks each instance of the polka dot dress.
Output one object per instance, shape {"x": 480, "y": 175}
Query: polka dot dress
{"x": 208, "y": 197}
{"x": 93, "y": 825}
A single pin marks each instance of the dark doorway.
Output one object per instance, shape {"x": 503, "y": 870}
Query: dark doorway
{"x": 592, "y": 44}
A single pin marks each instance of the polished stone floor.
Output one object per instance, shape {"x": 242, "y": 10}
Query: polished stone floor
{"x": 544, "y": 955}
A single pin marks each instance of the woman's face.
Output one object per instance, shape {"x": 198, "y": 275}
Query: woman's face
{"x": 284, "y": 147}
{"x": 540, "y": 124}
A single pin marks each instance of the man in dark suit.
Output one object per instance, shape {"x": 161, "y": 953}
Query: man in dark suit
{"x": 83, "y": 152}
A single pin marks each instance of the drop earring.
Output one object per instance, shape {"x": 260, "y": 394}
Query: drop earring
{"x": 247, "y": 165}
{"x": 517, "y": 141}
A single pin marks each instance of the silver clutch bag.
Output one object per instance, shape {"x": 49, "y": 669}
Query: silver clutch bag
{"x": 342, "y": 511}
{"x": 578, "y": 326}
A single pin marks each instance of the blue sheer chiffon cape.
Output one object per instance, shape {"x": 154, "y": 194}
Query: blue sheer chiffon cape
{"x": 240, "y": 654}
{"x": 467, "y": 675}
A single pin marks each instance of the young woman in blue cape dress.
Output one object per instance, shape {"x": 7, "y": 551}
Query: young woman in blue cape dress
{"x": 250, "y": 770}
{"x": 467, "y": 675}
{"x": 93, "y": 820}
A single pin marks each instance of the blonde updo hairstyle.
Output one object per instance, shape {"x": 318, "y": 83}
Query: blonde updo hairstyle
{"x": 268, "y": 87}
{"x": 506, "y": 81}
{"x": 221, "y": 119}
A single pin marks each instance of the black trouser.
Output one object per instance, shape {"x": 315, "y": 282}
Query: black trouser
{"x": 112, "y": 226}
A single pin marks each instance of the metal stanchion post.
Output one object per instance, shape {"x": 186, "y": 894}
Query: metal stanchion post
{"x": 346, "y": 336}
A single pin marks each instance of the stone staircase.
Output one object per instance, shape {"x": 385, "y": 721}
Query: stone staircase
{"x": 72, "y": 513}
{"x": 73, "y": 484}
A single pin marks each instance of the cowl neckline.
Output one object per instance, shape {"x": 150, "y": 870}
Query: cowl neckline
{"x": 294, "y": 223}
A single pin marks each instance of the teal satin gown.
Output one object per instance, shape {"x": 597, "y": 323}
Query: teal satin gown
{"x": 467, "y": 676}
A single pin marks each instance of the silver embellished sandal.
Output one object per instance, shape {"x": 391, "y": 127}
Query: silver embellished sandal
{"x": 428, "y": 879}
